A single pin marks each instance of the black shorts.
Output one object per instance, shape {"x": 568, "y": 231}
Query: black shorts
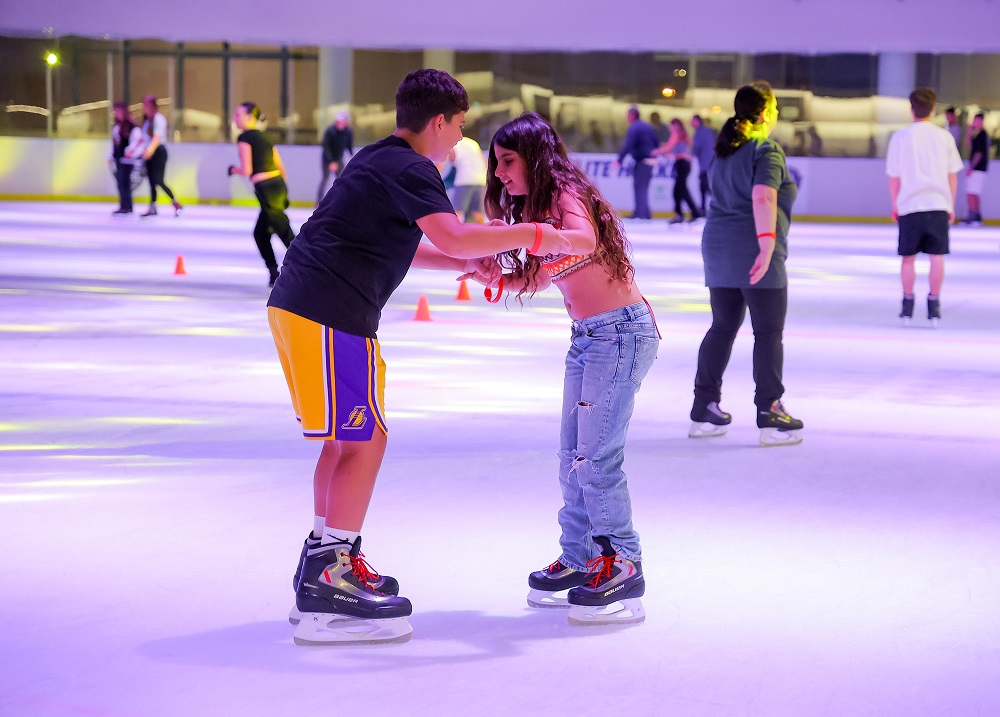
{"x": 925, "y": 232}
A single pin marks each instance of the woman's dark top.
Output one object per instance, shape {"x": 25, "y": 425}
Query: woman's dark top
{"x": 729, "y": 242}
{"x": 261, "y": 151}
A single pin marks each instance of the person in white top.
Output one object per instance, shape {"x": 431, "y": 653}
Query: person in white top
{"x": 470, "y": 180}
{"x": 923, "y": 165}
{"x": 154, "y": 133}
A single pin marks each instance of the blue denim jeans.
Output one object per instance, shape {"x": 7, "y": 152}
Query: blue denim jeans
{"x": 609, "y": 355}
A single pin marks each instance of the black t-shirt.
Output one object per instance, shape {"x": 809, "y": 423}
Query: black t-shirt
{"x": 261, "y": 151}
{"x": 981, "y": 146}
{"x": 358, "y": 245}
{"x": 335, "y": 142}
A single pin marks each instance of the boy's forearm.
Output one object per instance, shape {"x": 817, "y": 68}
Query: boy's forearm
{"x": 430, "y": 257}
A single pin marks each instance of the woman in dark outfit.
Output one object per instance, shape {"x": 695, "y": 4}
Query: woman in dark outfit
{"x": 154, "y": 131}
{"x": 126, "y": 139}
{"x": 260, "y": 161}
{"x": 744, "y": 245}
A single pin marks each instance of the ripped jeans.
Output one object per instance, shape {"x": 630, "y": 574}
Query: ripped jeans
{"x": 609, "y": 355}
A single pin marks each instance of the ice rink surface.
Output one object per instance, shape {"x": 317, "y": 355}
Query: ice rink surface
{"x": 155, "y": 491}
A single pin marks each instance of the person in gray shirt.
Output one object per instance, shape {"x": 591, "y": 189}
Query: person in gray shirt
{"x": 744, "y": 245}
{"x": 703, "y": 147}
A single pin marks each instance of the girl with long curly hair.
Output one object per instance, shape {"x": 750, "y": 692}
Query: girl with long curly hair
{"x": 613, "y": 344}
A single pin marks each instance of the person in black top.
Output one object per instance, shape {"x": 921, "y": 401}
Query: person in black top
{"x": 260, "y": 161}
{"x": 979, "y": 162}
{"x": 324, "y": 313}
{"x": 337, "y": 139}
{"x": 126, "y": 140}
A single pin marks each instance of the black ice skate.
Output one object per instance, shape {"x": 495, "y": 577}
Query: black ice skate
{"x": 381, "y": 583}
{"x": 906, "y": 314}
{"x": 777, "y": 428}
{"x": 708, "y": 420}
{"x": 338, "y": 604}
{"x": 933, "y": 310}
{"x": 612, "y": 591}
{"x": 548, "y": 585}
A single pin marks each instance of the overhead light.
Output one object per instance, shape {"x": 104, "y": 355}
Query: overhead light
{"x": 51, "y": 59}
{"x": 668, "y": 92}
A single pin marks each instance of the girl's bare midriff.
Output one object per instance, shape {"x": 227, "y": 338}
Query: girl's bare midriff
{"x": 590, "y": 290}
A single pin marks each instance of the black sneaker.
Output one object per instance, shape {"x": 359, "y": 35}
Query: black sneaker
{"x": 906, "y": 313}
{"x": 933, "y": 310}
{"x": 151, "y": 212}
{"x": 777, "y": 428}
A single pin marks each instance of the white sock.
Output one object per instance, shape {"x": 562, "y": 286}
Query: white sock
{"x": 319, "y": 522}
{"x": 337, "y": 535}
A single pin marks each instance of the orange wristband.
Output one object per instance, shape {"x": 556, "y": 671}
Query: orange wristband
{"x": 767, "y": 234}
{"x": 538, "y": 239}
{"x": 488, "y": 292}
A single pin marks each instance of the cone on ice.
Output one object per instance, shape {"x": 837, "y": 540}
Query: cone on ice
{"x": 423, "y": 309}
{"x": 179, "y": 269}
{"x": 463, "y": 292}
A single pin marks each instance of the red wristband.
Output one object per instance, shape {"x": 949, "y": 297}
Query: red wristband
{"x": 538, "y": 239}
{"x": 767, "y": 234}
{"x": 488, "y": 292}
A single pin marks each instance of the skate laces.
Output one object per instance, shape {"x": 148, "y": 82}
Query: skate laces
{"x": 361, "y": 569}
{"x": 600, "y": 567}
{"x": 555, "y": 567}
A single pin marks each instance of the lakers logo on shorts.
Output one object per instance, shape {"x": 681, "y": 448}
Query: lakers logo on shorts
{"x": 358, "y": 418}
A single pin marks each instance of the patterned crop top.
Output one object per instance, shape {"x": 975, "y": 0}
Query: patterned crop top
{"x": 559, "y": 266}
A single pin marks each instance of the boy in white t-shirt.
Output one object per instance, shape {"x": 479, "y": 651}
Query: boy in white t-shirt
{"x": 923, "y": 165}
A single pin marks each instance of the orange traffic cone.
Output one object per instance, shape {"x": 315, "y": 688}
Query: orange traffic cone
{"x": 179, "y": 269}
{"x": 423, "y": 309}
{"x": 463, "y": 292}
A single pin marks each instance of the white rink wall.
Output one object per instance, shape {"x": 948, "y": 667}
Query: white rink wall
{"x": 77, "y": 168}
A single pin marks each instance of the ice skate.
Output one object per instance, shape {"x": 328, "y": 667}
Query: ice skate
{"x": 708, "y": 421}
{"x": 178, "y": 209}
{"x": 151, "y": 212}
{"x": 933, "y": 310}
{"x": 548, "y": 587}
{"x": 339, "y": 606}
{"x": 777, "y": 428}
{"x": 906, "y": 314}
{"x": 381, "y": 583}
{"x": 612, "y": 591}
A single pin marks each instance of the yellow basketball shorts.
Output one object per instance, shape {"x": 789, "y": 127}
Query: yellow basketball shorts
{"x": 336, "y": 380}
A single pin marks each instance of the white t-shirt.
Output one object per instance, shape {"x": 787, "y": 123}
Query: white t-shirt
{"x": 922, "y": 156}
{"x": 159, "y": 127}
{"x": 469, "y": 163}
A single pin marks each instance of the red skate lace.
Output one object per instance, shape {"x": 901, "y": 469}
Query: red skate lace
{"x": 555, "y": 567}
{"x": 601, "y": 565}
{"x": 364, "y": 572}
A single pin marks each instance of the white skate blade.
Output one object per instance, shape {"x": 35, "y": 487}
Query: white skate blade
{"x": 548, "y": 599}
{"x": 706, "y": 430}
{"x": 770, "y": 437}
{"x": 905, "y": 320}
{"x": 934, "y": 323}
{"x": 622, "y": 612}
{"x": 322, "y": 629}
{"x": 294, "y": 615}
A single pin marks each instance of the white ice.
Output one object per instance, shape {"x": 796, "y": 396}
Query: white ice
{"x": 155, "y": 490}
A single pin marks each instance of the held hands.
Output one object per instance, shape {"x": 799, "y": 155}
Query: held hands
{"x": 484, "y": 270}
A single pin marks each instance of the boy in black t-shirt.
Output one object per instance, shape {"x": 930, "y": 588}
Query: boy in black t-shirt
{"x": 324, "y": 312}
{"x": 979, "y": 162}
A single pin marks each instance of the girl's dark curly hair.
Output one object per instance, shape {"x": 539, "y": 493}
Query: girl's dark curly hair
{"x": 550, "y": 173}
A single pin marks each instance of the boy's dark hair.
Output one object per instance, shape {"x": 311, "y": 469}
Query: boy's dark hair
{"x": 252, "y": 109}
{"x": 951, "y": 110}
{"x": 980, "y": 115}
{"x": 922, "y": 101}
{"x": 425, "y": 94}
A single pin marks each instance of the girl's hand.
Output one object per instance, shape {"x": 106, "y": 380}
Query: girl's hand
{"x": 484, "y": 270}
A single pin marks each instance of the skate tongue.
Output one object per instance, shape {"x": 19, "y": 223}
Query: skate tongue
{"x": 605, "y": 543}
{"x": 356, "y": 547}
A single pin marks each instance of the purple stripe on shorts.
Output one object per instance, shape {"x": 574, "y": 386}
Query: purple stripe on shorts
{"x": 354, "y": 419}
